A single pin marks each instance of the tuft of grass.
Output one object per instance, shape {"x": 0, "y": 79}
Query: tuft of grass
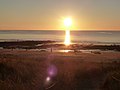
{"x": 112, "y": 80}
{"x": 21, "y": 75}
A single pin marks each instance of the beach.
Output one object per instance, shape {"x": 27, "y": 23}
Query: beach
{"x": 59, "y": 44}
{"x": 21, "y": 70}
{"x": 52, "y": 65}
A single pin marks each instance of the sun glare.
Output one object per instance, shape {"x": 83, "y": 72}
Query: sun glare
{"x": 67, "y": 23}
{"x": 67, "y": 38}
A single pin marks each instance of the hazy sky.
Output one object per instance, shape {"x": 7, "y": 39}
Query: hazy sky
{"x": 49, "y": 14}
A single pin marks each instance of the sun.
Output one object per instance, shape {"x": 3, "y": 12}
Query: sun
{"x": 68, "y": 22}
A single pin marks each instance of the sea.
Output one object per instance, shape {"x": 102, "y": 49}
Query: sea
{"x": 93, "y": 37}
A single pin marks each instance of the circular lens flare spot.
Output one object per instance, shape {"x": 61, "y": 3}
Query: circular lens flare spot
{"x": 52, "y": 71}
{"x": 48, "y": 79}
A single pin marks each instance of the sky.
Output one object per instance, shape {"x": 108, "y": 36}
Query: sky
{"x": 50, "y": 14}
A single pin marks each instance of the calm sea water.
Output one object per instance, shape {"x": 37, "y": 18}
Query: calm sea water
{"x": 76, "y": 36}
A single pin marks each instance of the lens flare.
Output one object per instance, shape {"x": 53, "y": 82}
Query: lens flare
{"x": 48, "y": 79}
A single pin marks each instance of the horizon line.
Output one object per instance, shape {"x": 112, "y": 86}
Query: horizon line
{"x": 53, "y": 30}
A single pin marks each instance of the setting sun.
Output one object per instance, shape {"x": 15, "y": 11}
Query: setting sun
{"x": 68, "y": 22}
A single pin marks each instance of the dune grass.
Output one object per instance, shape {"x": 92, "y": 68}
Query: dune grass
{"x": 29, "y": 72}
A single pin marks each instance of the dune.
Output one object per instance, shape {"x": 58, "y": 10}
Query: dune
{"x": 21, "y": 70}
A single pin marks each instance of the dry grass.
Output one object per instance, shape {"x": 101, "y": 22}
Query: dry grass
{"x": 23, "y": 71}
{"x": 21, "y": 74}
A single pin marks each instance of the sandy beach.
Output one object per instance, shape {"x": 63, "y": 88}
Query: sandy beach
{"x": 35, "y": 70}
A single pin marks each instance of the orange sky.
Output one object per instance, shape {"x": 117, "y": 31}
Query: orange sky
{"x": 49, "y": 14}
